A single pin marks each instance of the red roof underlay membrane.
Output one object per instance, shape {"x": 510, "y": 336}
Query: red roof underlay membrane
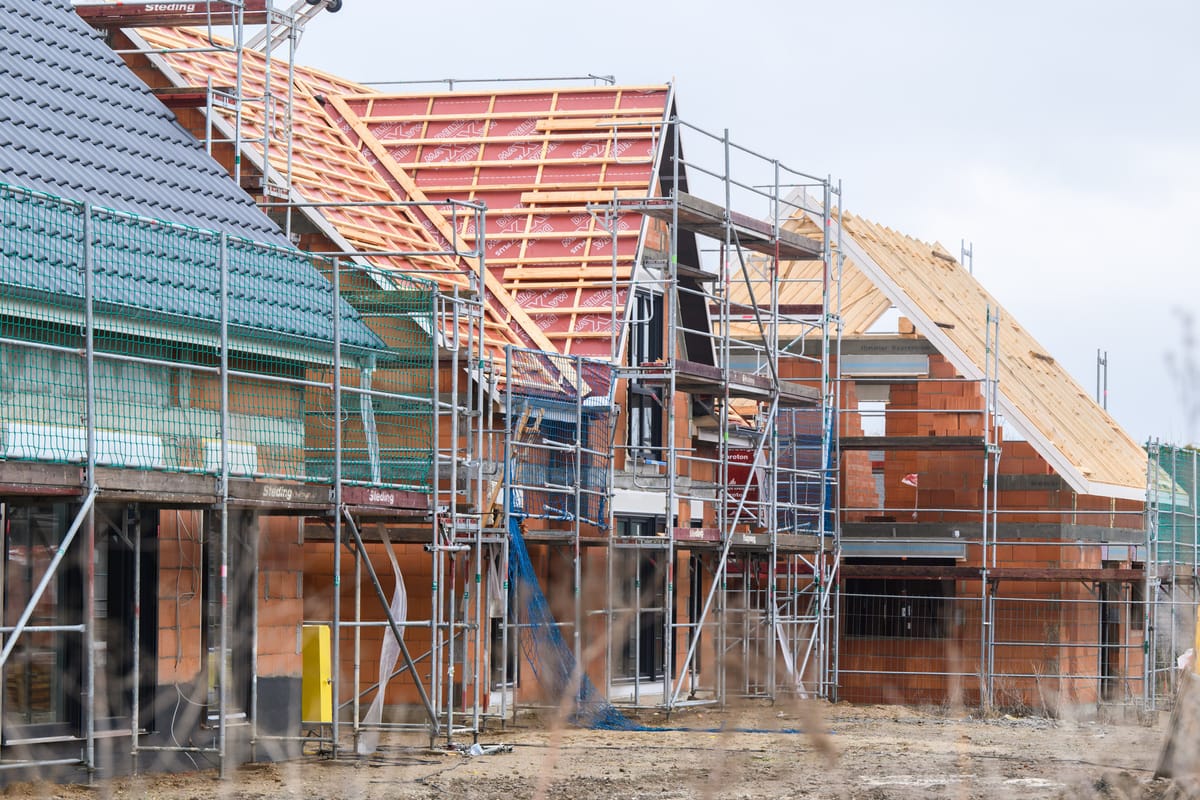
{"x": 544, "y": 162}
{"x": 328, "y": 167}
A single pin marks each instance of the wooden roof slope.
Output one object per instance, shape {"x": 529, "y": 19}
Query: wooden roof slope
{"x": 949, "y": 307}
{"x": 801, "y": 284}
{"x": 537, "y": 158}
{"x": 330, "y": 166}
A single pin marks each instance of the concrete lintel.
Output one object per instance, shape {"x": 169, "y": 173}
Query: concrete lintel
{"x": 1005, "y": 532}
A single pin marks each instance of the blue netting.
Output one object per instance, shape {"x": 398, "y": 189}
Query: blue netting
{"x": 551, "y": 660}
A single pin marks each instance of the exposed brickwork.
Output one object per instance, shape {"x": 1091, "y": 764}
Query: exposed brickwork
{"x": 1055, "y": 631}
{"x": 417, "y": 568}
{"x": 280, "y": 601}
{"x": 180, "y": 597}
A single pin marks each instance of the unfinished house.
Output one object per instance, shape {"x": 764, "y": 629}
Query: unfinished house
{"x": 992, "y": 530}
{"x": 625, "y": 484}
{"x": 181, "y": 389}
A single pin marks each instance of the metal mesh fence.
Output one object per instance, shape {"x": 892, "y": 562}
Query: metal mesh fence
{"x": 1173, "y": 635}
{"x": 205, "y": 347}
{"x": 918, "y": 644}
{"x": 1049, "y": 654}
{"x": 908, "y": 644}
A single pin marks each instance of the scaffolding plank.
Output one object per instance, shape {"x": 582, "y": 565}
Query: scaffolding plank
{"x": 375, "y": 497}
{"x": 138, "y": 480}
{"x": 186, "y": 96}
{"x": 28, "y": 477}
{"x": 197, "y": 13}
{"x": 711, "y": 537}
{"x": 705, "y": 379}
{"x": 288, "y": 495}
{"x": 709, "y": 219}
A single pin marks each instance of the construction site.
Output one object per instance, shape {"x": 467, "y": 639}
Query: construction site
{"x": 332, "y": 417}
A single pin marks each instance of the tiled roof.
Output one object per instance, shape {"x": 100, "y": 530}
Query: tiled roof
{"x": 537, "y": 158}
{"x": 75, "y": 122}
{"x": 327, "y": 166}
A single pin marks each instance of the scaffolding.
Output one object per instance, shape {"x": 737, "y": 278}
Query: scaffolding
{"x": 249, "y": 121}
{"x": 557, "y": 487}
{"x": 730, "y": 571}
{"x": 1172, "y": 571}
{"x": 748, "y": 497}
{"x": 1030, "y": 603}
{"x": 154, "y": 369}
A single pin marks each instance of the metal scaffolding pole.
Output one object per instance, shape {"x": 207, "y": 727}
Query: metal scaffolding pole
{"x": 393, "y": 625}
{"x": 671, "y": 355}
{"x": 223, "y": 555}
{"x": 89, "y": 549}
{"x": 336, "y": 511}
{"x": 508, "y": 628}
{"x": 475, "y": 453}
{"x": 135, "y": 713}
{"x": 577, "y": 501}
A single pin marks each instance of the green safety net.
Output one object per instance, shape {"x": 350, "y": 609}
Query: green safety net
{"x": 1173, "y": 482}
{"x": 163, "y": 299}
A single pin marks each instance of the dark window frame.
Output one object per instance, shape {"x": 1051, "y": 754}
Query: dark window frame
{"x": 646, "y": 345}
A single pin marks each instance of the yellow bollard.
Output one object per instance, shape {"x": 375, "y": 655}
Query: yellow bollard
{"x": 1196, "y": 645}
{"x": 317, "y": 684}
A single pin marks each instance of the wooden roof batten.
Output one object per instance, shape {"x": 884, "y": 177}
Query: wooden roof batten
{"x": 441, "y": 223}
{"x": 342, "y": 233}
{"x": 550, "y": 249}
{"x": 1077, "y": 476}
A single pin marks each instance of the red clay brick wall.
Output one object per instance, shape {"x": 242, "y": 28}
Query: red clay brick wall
{"x": 951, "y": 482}
{"x": 416, "y": 566}
{"x": 180, "y": 597}
{"x": 280, "y": 600}
{"x": 947, "y": 479}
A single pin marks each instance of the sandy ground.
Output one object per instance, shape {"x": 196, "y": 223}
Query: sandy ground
{"x": 871, "y": 752}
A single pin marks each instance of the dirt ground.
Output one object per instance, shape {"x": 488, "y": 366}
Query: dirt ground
{"x": 860, "y": 752}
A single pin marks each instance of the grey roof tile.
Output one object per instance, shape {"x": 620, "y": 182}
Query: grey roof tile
{"x": 77, "y": 123}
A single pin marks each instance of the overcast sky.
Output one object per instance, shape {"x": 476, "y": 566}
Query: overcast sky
{"x": 1061, "y": 138}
